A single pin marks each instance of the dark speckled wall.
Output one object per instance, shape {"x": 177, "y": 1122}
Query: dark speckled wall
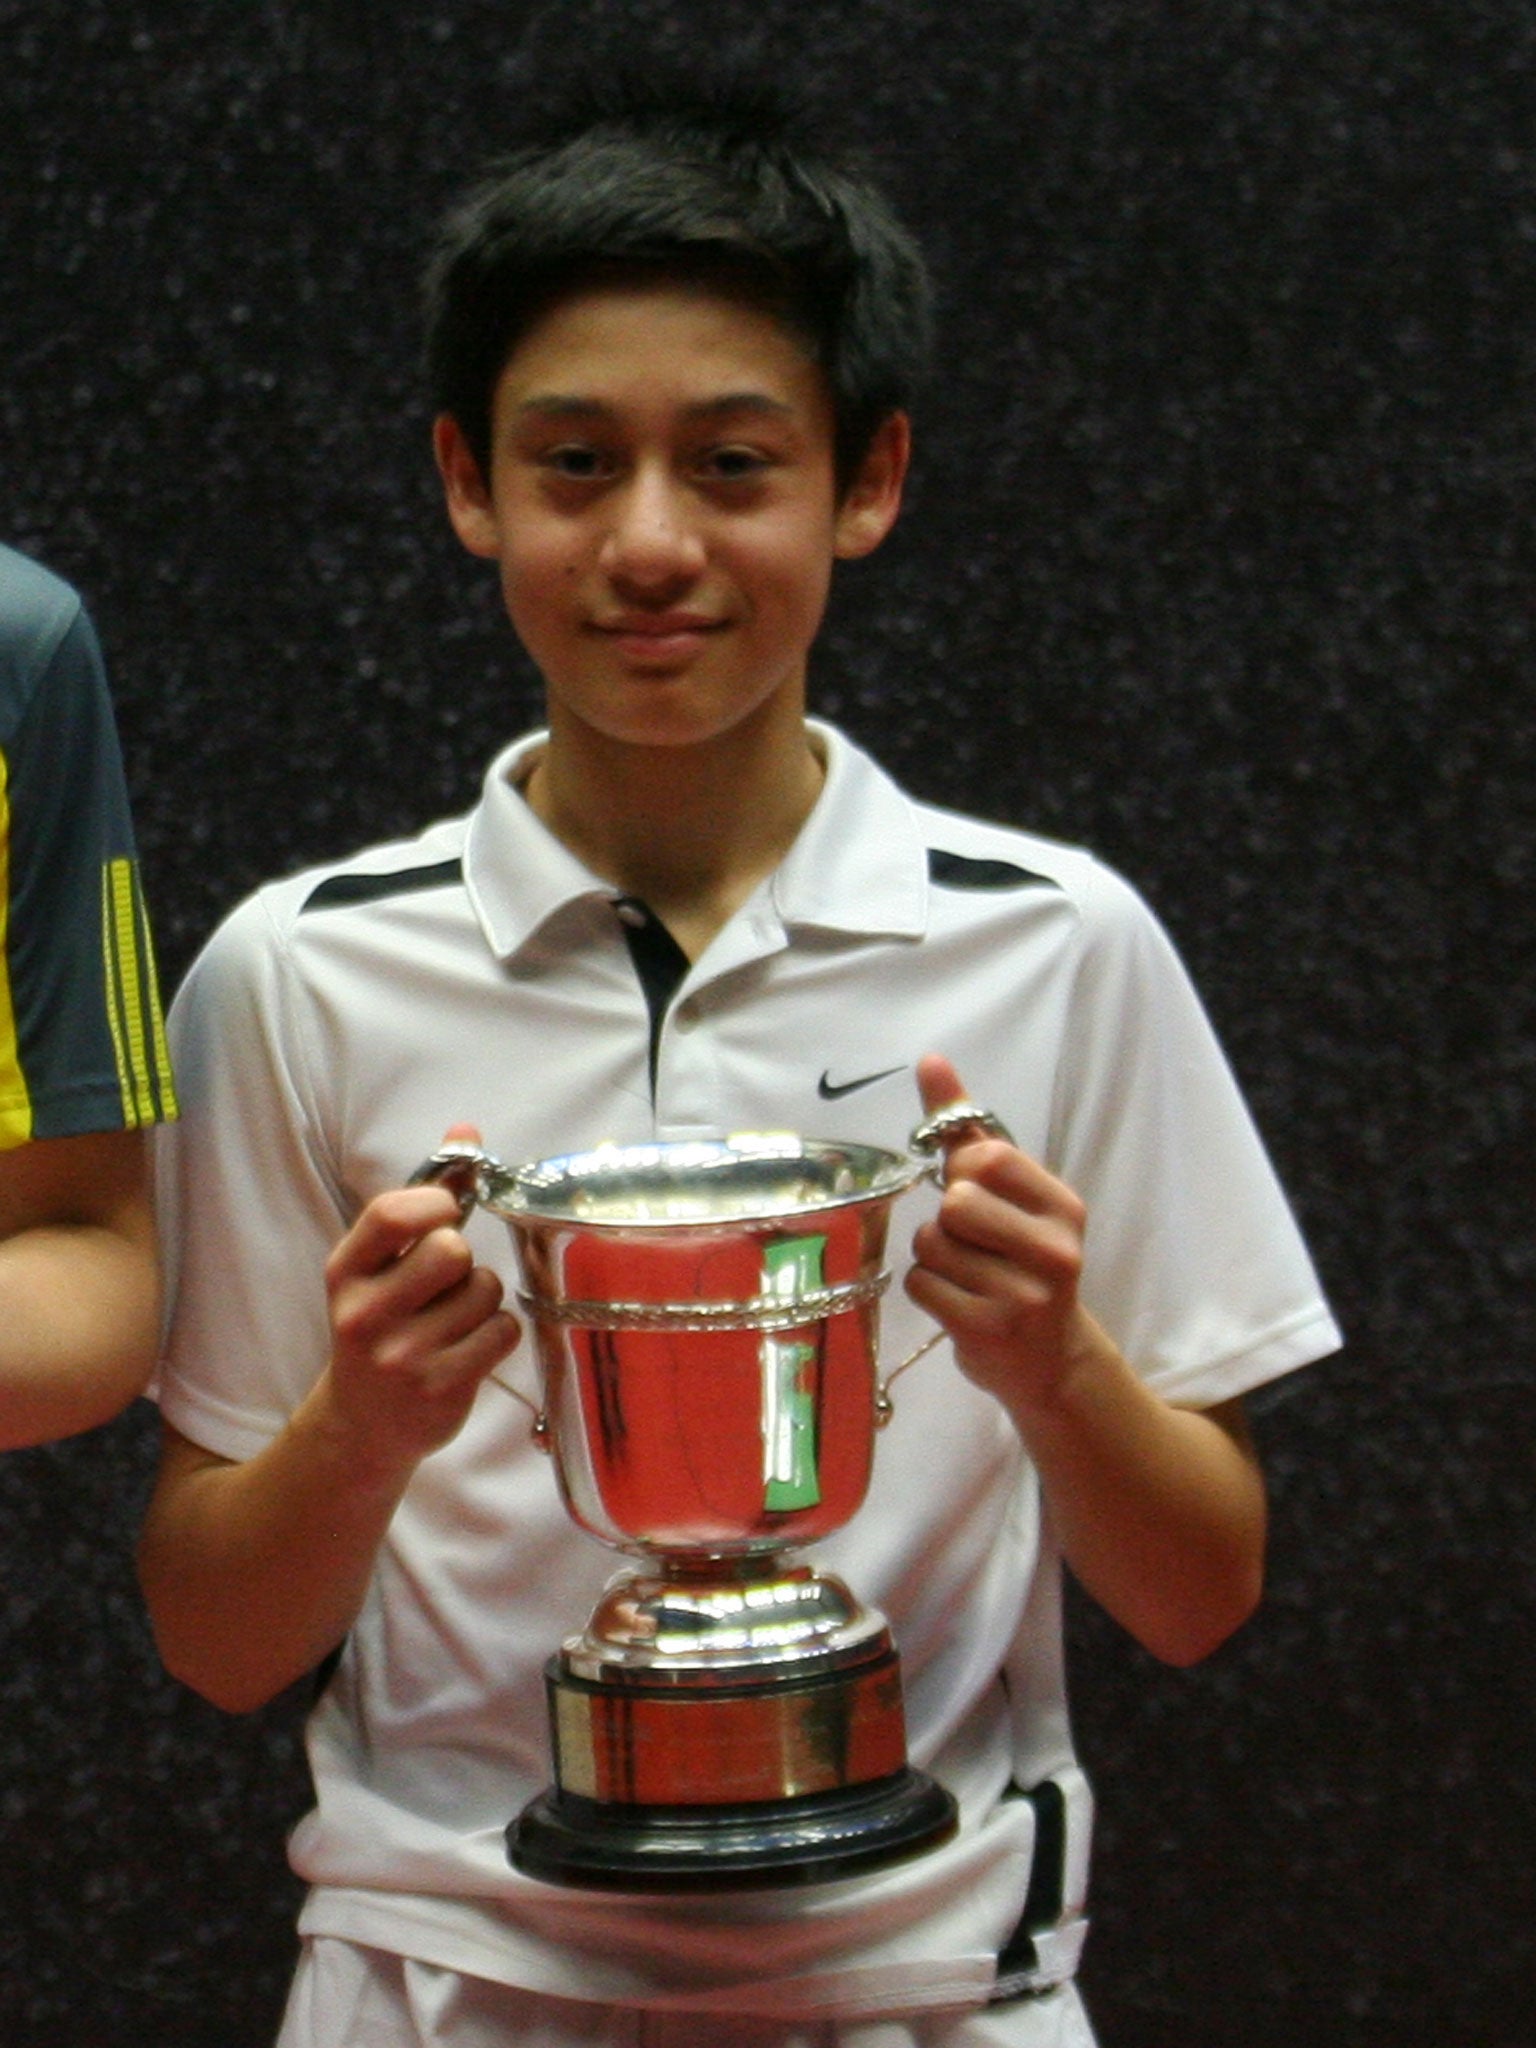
{"x": 1218, "y": 558}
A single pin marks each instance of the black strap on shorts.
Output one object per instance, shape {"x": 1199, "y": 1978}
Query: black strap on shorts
{"x": 1018, "y": 1960}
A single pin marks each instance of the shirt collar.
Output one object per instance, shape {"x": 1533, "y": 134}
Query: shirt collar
{"x": 859, "y": 864}
{"x": 518, "y": 874}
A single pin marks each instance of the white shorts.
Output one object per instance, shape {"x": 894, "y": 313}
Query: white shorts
{"x": 345, "y": 1996}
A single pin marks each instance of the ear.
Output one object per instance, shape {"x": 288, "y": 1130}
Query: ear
{"x": 470, "y": 511}
{"x": 870, "y": 504}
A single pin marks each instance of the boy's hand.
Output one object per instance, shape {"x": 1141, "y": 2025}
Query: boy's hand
{"x": 999, "y": 1265}
{"x": 416, "y": 1325}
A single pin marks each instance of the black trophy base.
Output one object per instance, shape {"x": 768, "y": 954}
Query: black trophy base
{"x": 566, "y": 1839}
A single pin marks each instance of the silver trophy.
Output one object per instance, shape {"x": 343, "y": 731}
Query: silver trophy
{"x": 707, "y": 1324}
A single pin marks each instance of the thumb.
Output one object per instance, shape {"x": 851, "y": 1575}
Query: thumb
{"x": 938, "y": 1082}
{"x": 461, "y": 1134}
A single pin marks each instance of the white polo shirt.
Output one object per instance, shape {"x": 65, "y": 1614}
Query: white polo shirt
{"x": 340, "y": 1021}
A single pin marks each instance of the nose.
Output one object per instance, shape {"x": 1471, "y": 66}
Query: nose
{"x": 653, "y": 543}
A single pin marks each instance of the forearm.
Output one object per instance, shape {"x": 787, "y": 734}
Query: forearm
{"x": 1160, "y": 1510}
{"x": 253, "y": 1572}
{"x": 78, "y": 1309}
{"x": 79, "y": 1283}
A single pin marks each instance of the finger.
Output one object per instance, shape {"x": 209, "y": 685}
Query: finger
{"x": 446, "y": 1318}
{"x": 1001, "y": 1215}
{"x": 391, "y": 1224}
{"x": 462, "y": 1134}
{"x": 459, "y": 1335}
{"x": 1029, "y": 1252}
{"x": 367, "y": 1303}
{"x": 986, "y": 1172}
{"x": 428, "y": 1393}
{"x": 961, "y": 1309}
{"x": 481, "y": 1349}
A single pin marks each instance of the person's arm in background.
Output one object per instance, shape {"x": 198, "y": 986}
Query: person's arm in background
{"x": 79, "y": 1289}
{"x": 83, "y": 1069}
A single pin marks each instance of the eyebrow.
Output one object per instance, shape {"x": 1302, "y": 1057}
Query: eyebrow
{"x": 729, "y": 404}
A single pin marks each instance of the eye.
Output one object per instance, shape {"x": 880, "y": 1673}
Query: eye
{"x": 576, "y": 462}
{"x": 735, "y": 464}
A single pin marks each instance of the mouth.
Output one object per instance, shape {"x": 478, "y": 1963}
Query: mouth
{"x": 658, "y": 637}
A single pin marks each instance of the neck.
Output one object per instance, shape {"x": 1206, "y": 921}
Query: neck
{"x": 691, "y": 830}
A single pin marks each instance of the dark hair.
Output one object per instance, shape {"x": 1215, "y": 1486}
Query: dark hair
{"x": 706, "y": 179}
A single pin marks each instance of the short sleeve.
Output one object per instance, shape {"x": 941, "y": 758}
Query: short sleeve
{"x": 249, "y": 1207}
{"x": 82, "y": 1040}
{"x": 1194, "y": 1262}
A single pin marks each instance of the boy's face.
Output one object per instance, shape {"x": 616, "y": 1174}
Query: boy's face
{"x": 662, "y": 505}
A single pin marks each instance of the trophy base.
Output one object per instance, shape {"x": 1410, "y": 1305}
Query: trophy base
{"x": 796, "y": 1774}
{"x": 564, "y": 1838}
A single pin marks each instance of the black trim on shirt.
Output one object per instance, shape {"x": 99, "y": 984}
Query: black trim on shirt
{"x": 958, "y": 871}
{"x": 659, "y": 961}
{"x": 339, "y": 889}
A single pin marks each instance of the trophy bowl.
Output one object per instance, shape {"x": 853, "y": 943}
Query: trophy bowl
{"x": 706, "y": 1318}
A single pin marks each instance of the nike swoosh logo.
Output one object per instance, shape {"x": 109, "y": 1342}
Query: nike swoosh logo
{"x": 833, "y": 1091}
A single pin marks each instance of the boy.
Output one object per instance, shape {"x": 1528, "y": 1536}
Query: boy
{"x": 673, "y": 353}
{"x": 83, "y": 1065}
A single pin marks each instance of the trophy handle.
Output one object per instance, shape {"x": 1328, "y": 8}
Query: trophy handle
{"x": 473, "y": 1176}
{"x": 470, "y": 1174}
{"x": 935, "y": 1138}
{"x": 938, "y": 1135}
